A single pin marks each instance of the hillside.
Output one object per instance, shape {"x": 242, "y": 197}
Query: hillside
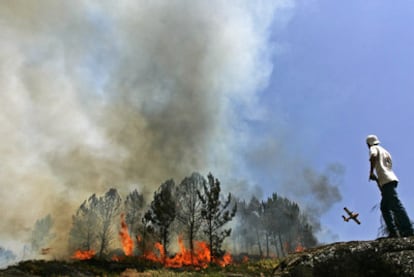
{"x": 382, "y": 257}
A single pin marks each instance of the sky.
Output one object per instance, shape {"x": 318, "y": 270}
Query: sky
{"x": 269, "y": 96}
{"x": 345, "y": 73}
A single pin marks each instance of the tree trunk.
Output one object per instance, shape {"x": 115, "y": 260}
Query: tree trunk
{"x": 102, "y": 247}
{"x": 191, "y": 235}
{"x": 258, "y": 243}
{"x": 164, "y": 245}
{"x": 210, "y": 237}
{"x": 281, "y": 245}
{"x": 267, "y": 245}
{"x": 276, "y": 248}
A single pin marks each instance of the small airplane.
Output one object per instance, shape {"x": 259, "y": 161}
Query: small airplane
{"x": 351, "y": 215}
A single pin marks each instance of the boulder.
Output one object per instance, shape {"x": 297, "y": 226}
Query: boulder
{"x": 381, "y": 257}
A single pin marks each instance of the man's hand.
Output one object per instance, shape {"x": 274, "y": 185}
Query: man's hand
{"x": 372, "y": 177}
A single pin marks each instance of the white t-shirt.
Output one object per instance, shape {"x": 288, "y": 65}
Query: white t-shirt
{"x": 382, "y": 164}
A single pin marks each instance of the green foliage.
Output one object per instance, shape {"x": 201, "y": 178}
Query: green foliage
{"x": 216, "y": 214}
{"x": 273, "y": 227}
{"x": 133, "y": 205}
{"x": 196, "y": 209}
{"x": 162, "y": 211}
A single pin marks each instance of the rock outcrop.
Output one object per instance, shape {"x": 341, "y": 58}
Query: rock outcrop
{"x": 381, "y": 257}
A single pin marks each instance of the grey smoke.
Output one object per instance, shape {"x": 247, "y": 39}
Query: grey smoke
{"x": 99, "y": 94}
{"x": 292, "y": 174}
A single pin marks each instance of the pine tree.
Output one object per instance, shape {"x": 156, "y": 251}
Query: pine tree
{"x": 216, "y": 214}
{"x": 108, "y": 208}
{"x": 189, "y": 207}
{"x": 162, "y": 212}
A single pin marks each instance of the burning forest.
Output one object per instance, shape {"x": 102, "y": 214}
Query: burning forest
{"x": 190, "y": 224}
{"x": 103, "y": 102}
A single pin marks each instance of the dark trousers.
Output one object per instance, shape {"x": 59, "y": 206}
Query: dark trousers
{"x": 393, "y": 212}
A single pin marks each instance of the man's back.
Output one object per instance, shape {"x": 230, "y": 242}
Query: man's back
{"x": 383, "y": 164}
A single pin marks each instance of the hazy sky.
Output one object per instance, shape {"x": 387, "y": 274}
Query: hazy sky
{"x": 270, "y": 96}
{"x": 345, "y": 71}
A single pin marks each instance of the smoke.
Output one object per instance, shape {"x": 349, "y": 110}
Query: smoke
{"x": 292, "y": 172}
{"x": 97, "y": 94}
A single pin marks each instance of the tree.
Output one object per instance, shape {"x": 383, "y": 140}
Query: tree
{"x": 286, "y": 225}
{"x": 216, "y": 214}
{"x": 134, "y": 204}
{"x": 243, "y": 232}
{"x": 108, "y": 208}
{"x": 189, "y": 207}
{"x": 85, "y": 225}
{"x": 41, "y": 233}
{"x": 162, "y": 212}
{"x": 145, "y": 242}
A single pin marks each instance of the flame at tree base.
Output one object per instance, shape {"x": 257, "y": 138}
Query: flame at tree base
{"x": 83, "y": 254}
{"x": 200, "y": 258}
{"x": 299, "y": 248}
{"x": 126, "y": 240}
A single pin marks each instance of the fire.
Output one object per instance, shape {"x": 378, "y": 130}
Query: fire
{"x": 200, "y": 257}
{"x": 83, "y": 254}
{"x": 299, "y": 248}
{"x": 126, "y": 240}
{"x": 225, "y": 260}
{"x": 151, "y": 256}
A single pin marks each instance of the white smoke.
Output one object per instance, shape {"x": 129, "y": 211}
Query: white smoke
{"x": 97, "y": 94}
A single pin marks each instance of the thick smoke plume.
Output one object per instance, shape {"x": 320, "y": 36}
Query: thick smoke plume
{"x": 98, "y": 94}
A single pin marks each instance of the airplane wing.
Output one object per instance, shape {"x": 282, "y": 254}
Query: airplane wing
{"x": 348, "y": 211}
{"x": 356, "y": 220}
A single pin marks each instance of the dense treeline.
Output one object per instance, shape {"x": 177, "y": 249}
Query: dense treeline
{"x": 195, "y": 210}
{"x": 272, "y": 227}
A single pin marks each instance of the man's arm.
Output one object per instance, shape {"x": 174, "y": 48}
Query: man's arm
{"x": 372, "y": 161}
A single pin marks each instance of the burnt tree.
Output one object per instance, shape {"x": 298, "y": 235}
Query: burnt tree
{"x": 108, "y": 208}
{"x": 190, "y": 207}
{"x": 83, "y": 235}
{"x": 133, "y": 206}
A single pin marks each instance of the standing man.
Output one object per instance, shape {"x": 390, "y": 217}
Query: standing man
{"x": 393, "y": 212}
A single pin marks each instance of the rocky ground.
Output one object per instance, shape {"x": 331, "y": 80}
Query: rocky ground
{"x": 381, "y": 257}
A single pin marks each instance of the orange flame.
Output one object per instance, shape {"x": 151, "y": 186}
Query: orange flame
{"x": 299, "y": 248}
{"x": 200, "y": 257}
{"x": 83, "y": 254}
{"x": 225, "y": 260}
{"x": 127, "y": 242}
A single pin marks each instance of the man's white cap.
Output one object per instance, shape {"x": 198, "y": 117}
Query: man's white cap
{"x": 372, "y": 140}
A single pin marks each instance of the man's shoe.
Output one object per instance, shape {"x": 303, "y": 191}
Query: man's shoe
{"x": 407, "y": 234}
{"x": 393, "y": 235}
